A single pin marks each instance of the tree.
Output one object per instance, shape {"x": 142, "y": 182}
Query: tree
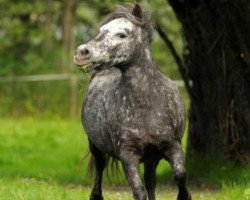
{"x": 48, "y": 26}
{"x": 216, "y": 71}
{"x": 68, "y": 17}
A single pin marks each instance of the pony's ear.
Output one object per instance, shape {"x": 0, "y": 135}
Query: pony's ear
{"x": 137, "y": 12}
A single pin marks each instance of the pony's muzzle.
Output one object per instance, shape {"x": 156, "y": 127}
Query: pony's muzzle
{"x": 83, "y": 51}
{"x": 82, "y": 55}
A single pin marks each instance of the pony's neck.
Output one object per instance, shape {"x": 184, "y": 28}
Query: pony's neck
{"x": 143, "y": 66}
{"x": 142, "y": 59}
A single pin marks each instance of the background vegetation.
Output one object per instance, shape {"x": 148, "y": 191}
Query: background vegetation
{"x": 34, "y": 40}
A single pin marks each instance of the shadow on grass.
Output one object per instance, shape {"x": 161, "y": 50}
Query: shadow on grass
{"x": 207, "y": 171}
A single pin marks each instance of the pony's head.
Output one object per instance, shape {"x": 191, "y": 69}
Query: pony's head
{"x": 123, "y": 39}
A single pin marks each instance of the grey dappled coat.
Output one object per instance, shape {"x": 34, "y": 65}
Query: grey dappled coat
{"x": 132, "y": 111}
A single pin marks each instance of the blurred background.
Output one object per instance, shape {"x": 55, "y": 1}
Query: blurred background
{"x": 43, "y": 148}
{"x": 40, "y": 37}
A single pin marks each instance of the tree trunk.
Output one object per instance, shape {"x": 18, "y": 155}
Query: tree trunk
{"x": 68, "y": 17}
{"x": 217, "y": 62}
{"x": 48, "y": 28}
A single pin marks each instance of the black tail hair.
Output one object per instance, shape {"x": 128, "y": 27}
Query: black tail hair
{"x": 112, "y": 165}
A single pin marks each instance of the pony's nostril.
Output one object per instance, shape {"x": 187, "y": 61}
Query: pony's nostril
{"x": 84, "y": 52}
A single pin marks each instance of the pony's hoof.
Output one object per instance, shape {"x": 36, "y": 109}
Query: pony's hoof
{"x": 185, "y": 196}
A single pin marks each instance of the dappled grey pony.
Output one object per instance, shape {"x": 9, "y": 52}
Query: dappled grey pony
{"x": 132, "y": 111}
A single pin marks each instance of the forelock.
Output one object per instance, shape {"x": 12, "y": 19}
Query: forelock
{"x": 126, "y": 12}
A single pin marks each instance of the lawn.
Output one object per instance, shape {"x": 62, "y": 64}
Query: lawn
{"x": 44, "y": 159}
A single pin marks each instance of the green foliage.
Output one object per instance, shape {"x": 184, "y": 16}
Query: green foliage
{"x": 50, "y": 98}
{"x": 26, "y": 28}
{"x": 31, "y": 43}
{"x": 23, "y": 35}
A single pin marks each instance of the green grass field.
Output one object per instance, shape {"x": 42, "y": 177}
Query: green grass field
{"x": 44, "y": 159}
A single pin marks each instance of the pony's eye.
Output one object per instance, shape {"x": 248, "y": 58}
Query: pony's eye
{"x": 121, "y": 35}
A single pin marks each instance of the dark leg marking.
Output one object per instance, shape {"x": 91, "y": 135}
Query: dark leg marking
{"x": 100, "y": 163}
{"x": 175, "y": 158}
{"x": 150, "y": 177}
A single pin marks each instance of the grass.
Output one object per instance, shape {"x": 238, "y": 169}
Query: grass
{"x": 41, "y": 149}
{"x": 43, "y": 159}
{"x": 32, "y": 189}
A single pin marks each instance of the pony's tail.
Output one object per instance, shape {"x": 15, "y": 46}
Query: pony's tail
{"x": 112, "y": 165}
{"x": 91, "y": 166}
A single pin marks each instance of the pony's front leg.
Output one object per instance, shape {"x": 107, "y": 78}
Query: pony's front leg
{"x": 130, "y": 163}
{"x": 175, "y": 159}
{"x": 99, "y": 163}
{"x": 150, "y": 177}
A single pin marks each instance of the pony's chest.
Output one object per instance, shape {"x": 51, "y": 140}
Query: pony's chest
{"x": 101, "y": 94}
{"x": 102, "y": 87}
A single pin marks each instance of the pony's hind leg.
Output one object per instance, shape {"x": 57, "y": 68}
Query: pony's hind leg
{"x": 174, "y": 156}
{"x": 99, "y": 161}
{"x": 150, "y": 177}
{"x": 130, "y": 163}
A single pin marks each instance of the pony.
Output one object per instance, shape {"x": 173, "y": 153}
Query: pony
{"x": 132, "y": 111}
